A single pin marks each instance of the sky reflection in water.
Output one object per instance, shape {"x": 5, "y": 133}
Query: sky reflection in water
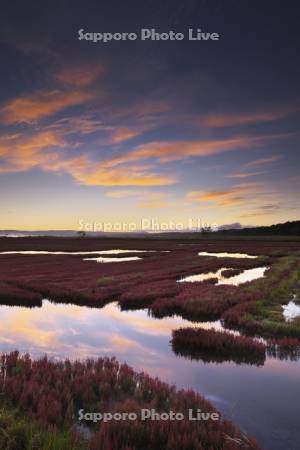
{"x": 244, "y": 277}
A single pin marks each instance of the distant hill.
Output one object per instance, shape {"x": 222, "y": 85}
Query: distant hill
{"x": 231, "y": 230}
{"x": 280, "y": 229}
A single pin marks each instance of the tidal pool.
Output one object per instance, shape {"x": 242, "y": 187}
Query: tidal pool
{"x": 263, "y": 401}
{"x": 94, "y": 252}
{"x": 227, "y": 255}
{"x": 100, "y": 259}
{"x": 243, "y": 277}
{"x": 108, "y": 260}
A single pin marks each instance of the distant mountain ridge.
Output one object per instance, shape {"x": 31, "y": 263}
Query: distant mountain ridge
{"x": 235, "y": 229}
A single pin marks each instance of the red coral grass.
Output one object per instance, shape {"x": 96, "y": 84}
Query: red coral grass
{"x": 211, "y": 345}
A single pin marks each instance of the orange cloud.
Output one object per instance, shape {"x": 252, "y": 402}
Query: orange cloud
{"x": 220, "y": 120}
{"x": 229, "y": 120}
{"x": 255, "y": 165}
{"x": 157, "y": 204}
{"x": 79, "y": 76}
{"x": 132, "y": 176}
{"x": 134, "y": 193}
{"x": 262, "y": 162}
{"x": 146, "y": 197}
{"x": 263, "y": 210}
{"x": 175, "y": 151}
{"x": 79, "y": 125}
{"x": 245, "y": 174}
{"x": 227, "y": 197}
{"x": 266, "y": 210}
{"x": 117, "y": 171}
{"x": 88, "y": 172}
{"x": 22, "y": 153}
{"x": 121, "y": 194}
{"x": 40, "y": 105}
{"x": 123, "y": 134}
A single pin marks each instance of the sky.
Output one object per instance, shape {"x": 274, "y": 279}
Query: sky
{"x": 170, "y": 131}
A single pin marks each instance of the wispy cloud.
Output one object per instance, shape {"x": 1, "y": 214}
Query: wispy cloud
{"x": 252, "y": 168}
{"x": 50, "y": 151}
{"x": 123, "y": 134}
{"x": 81, "y": 125}
{"x": 263, "y": 210}
{"x": 122, "y": 193}
{"x": 244, "y": 174}
{"x": 86, "y": 171}
{"x": 70, "y": 89}
{"x": 262, "y": 162}
{"x": 165, "y": 152}
{"x": 229, "y": 120}
{"x": 155, "y": 204}
{"x": 46, "y": 150}
{"x": 147, "y": 199}
{"x": 146, "y": 113}
{"x": 19, "y": 153}
{"x": 132, "y": 176}
{"x": 79, "y": 76}
{"x": 29, "y": 109}
{"x": 235, "y": 195}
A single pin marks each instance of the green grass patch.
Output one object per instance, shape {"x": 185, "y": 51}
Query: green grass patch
{"x": 18, "y": 432}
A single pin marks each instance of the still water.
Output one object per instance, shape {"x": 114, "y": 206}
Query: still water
{"x": 227, "y": 255}
{"x": 264, "y": 401}
{"x": 245, "y": 276}
{"x": 94, "y": 252}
